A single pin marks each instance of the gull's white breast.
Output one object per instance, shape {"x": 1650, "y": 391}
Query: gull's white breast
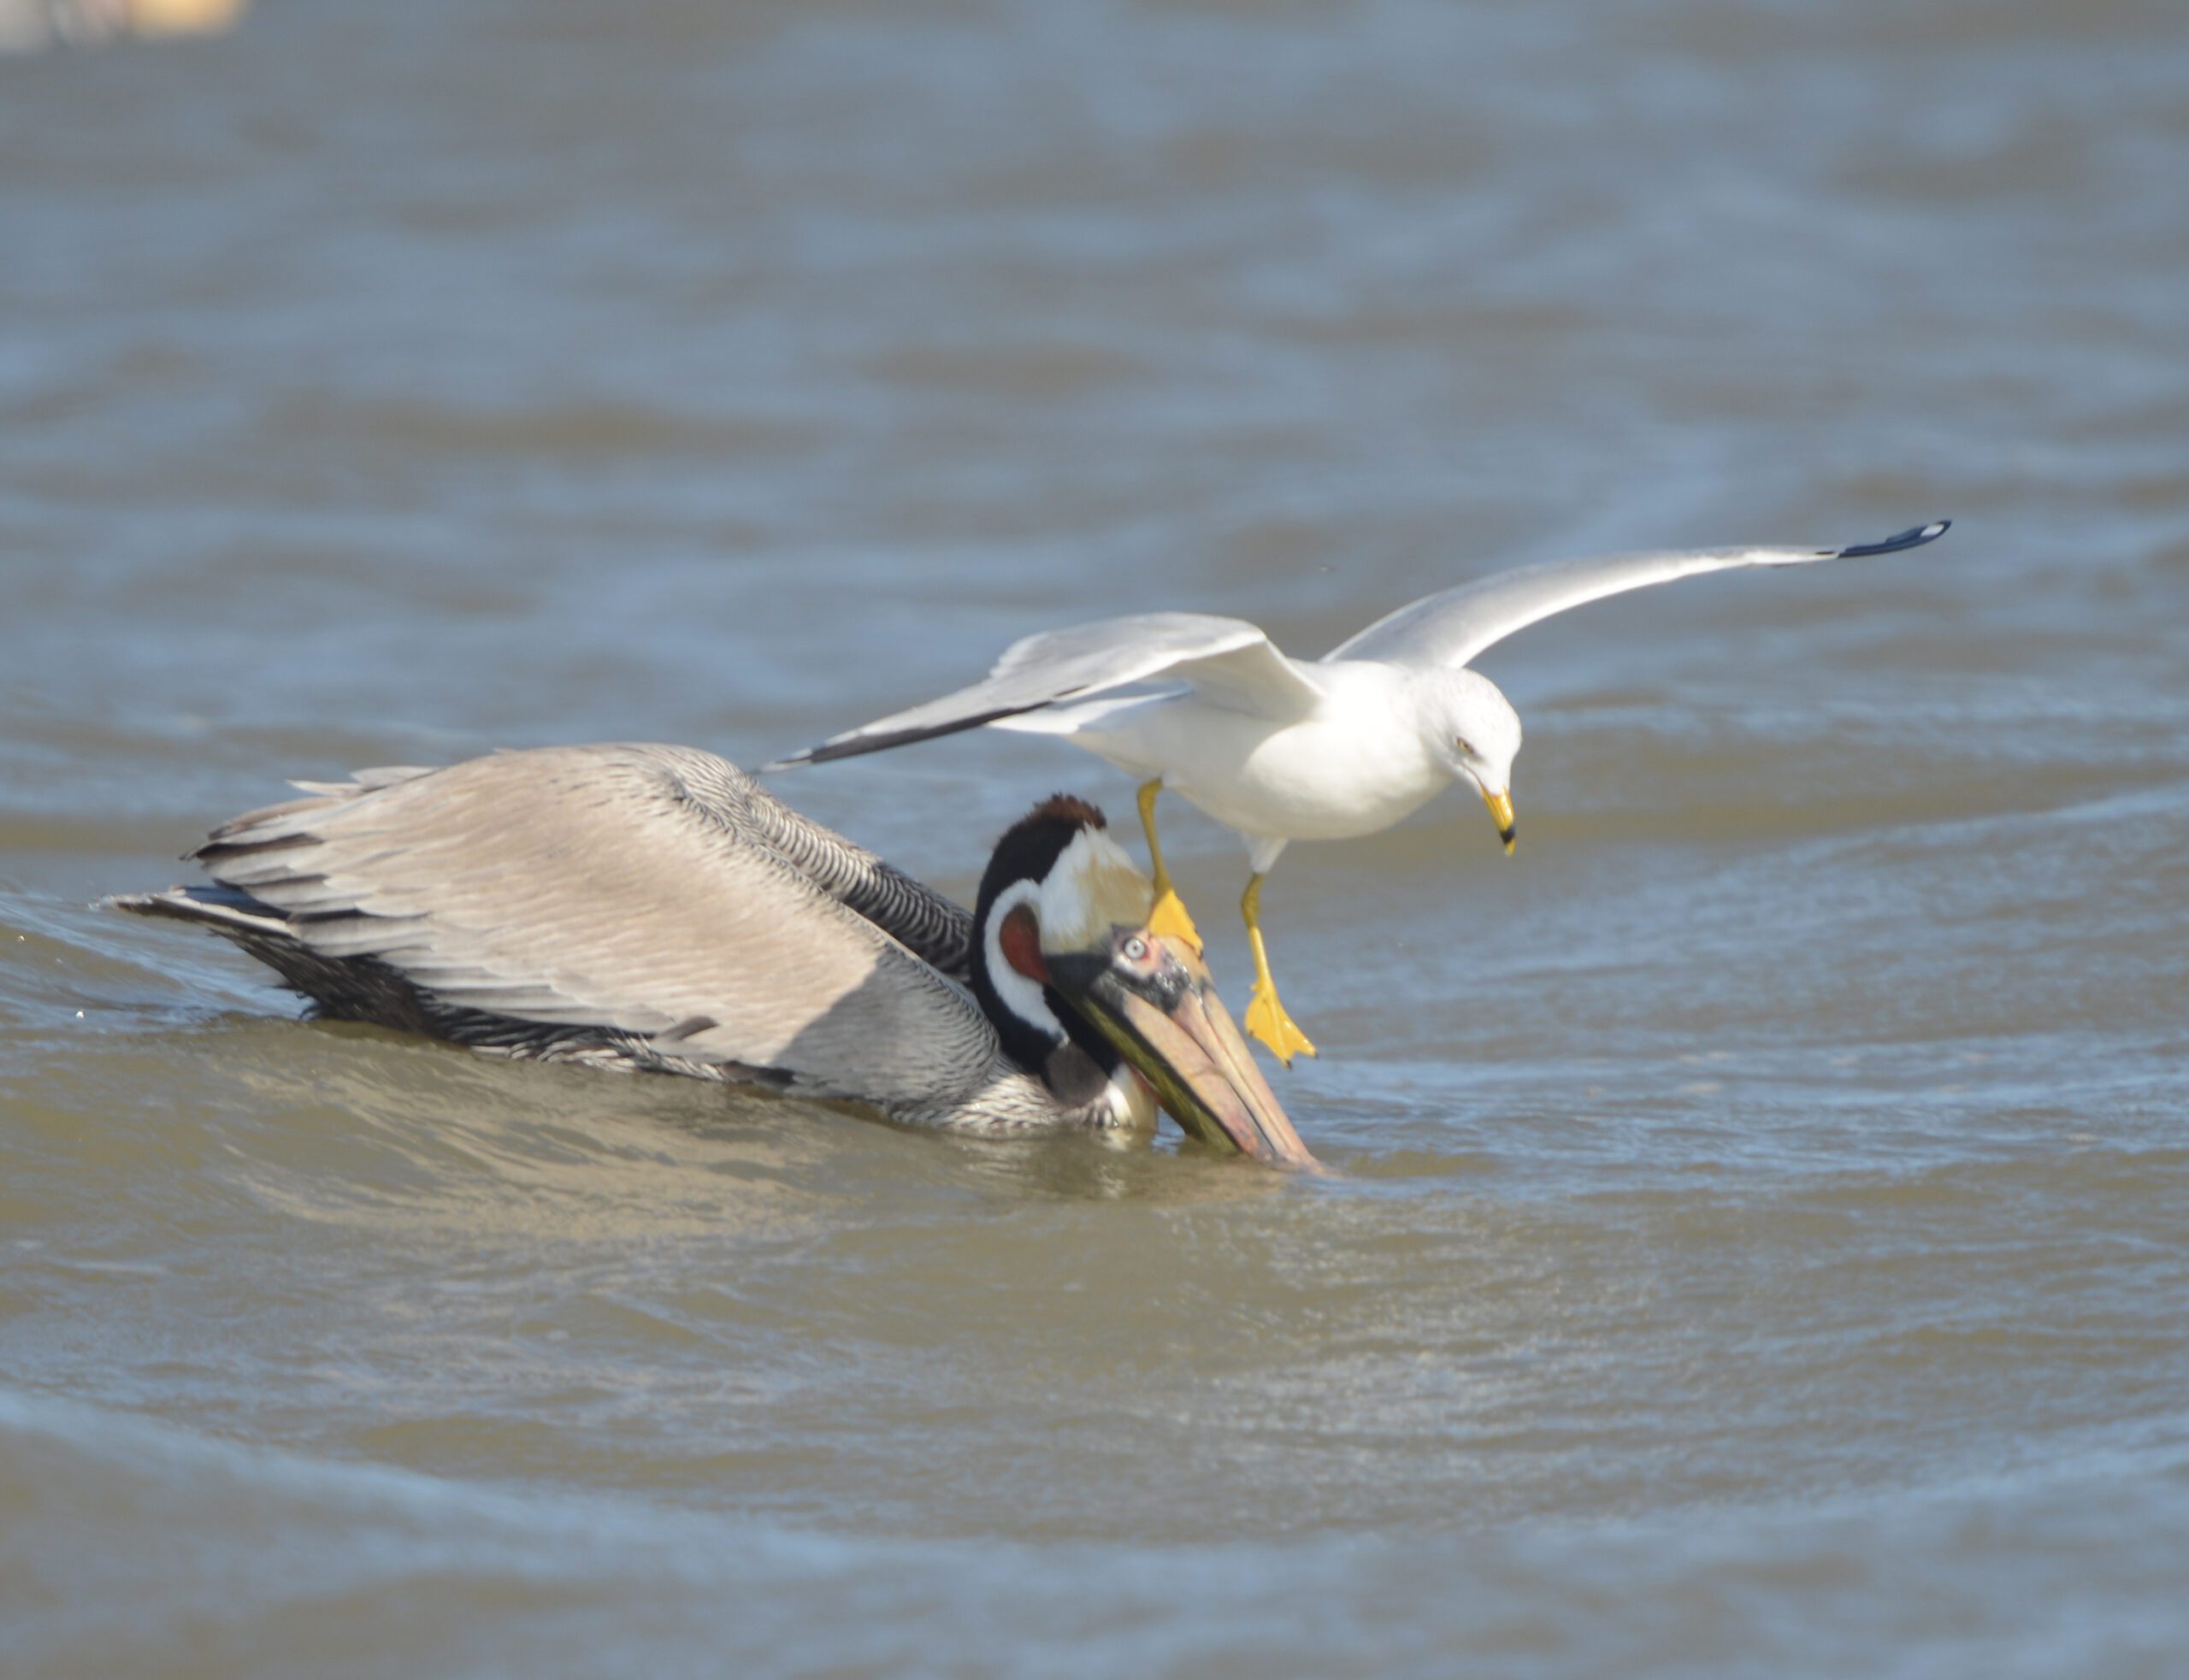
{"x": 1354, "y": 766}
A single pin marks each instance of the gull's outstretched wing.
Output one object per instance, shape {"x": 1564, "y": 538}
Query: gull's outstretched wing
{"x": 1451, "y": 626}
{"x": 652, "y": 898}
{"x": 1228, "y": 663}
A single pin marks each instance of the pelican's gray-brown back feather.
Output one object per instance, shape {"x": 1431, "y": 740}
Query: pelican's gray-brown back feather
{"x": 645, "y": 905}
{"x": 911, "y": 912}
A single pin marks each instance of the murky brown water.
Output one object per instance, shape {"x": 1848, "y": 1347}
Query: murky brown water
{"x": 1762, "y": 1240}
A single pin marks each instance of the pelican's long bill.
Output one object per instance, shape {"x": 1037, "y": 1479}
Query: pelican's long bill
{"x": 1165, "y": 1018}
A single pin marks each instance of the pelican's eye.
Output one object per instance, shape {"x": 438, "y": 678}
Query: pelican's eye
{"x": 1135, "y": 949}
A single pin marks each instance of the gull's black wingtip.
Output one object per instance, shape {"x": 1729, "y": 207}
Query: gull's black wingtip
{"x": 1914, "y": 536}
{"x": 855, "y": 742}
{"x": 847, "y": 745}
{"x": 850, "y": 746}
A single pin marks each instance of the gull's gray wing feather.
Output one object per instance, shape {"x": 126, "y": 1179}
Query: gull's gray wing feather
{"x": 650, "y": 894}
{"x": 1451, "y": 627}
{"x": 1227, "y": 662}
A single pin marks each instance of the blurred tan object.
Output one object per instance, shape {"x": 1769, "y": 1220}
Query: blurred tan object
{"x": 183, "y": 17}
{"x": 30, "y": 26}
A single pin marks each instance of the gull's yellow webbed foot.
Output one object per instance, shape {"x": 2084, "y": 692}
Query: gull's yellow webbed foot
{"x": 1265, "y": 1015}
{"x": 1267, "y": 1020}
{"x": 1168, "y": 918}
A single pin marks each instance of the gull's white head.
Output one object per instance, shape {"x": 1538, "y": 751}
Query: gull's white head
{"x": 1473, "y": 730}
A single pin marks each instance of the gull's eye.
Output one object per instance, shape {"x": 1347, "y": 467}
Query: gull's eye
{"x": 1135, "y": 949}
{"x": 1465, "y": 747}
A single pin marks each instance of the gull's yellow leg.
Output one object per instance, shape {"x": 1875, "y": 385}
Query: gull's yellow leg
{"x": 1265, "y": 1016}
{"x": 1169, "y": 917}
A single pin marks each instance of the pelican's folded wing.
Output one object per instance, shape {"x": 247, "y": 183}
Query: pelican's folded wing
{"x": 643, "y": 893}
{"x": 1450, "y": 627}
{"x": 1228, "y": 662}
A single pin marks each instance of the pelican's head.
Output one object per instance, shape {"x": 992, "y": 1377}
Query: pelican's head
{"x": 1473, "y": 731}
{"x": 1105, "y": 1013}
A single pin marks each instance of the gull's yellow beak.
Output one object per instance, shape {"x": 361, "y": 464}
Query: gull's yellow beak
{"x": 1501, "y": 811}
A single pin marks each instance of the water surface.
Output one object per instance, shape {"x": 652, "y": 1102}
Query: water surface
{"x": 1757, "y": 1243}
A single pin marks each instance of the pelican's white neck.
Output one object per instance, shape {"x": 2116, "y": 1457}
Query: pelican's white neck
{"x": 1019, "y": 993}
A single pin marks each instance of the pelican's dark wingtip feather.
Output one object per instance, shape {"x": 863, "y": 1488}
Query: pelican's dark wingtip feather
{"x": 1914, "y": 536}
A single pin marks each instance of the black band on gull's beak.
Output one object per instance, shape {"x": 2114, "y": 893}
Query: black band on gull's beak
{"x": 1501, "y": 812}
{"x": 1166, "y": 1019}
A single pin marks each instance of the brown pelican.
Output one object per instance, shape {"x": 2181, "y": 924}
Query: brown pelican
{"x": 1284, "y": 749}
{"x": 653, "y": 907}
